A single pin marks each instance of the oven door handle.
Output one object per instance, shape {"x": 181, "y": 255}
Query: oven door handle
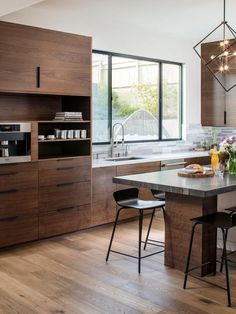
{"x": 174, "y": 164}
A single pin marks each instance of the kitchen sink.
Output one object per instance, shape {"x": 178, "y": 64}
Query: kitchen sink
{"x": 122, "y": 158}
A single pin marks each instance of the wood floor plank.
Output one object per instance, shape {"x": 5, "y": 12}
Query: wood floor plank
{"x": 69, "y": 275}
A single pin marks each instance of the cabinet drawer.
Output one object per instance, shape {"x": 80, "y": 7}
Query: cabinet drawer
{"x": 15, "y": 230}
{"x": 64, "y": 195}
{"x": 64, "y": 171}
{"x": 18, "y": 202}
{"x": 138, "y": 168}
{"x": 18, "y": 176}
{"x": 64, "y": 220}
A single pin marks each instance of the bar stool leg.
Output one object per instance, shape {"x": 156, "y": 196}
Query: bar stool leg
{"x": 113, "y": 232}
{"x": 226, "y": 266}
{"x": 149, "y": 228}
{"x": 189, "y": 255}
{"x": 222, "y": 257}
{"x": 140, "y": 239}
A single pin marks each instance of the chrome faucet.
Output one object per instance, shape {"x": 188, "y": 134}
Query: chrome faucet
{"x": 113, "y": 145}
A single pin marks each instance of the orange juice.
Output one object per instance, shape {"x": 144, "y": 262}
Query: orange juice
{"x": 214, "y": 160}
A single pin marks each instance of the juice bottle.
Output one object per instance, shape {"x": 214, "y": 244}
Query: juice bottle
{"x": 214, "y": 160}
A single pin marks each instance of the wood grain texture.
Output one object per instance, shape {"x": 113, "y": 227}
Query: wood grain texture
{"x": 103, "y": 204}
{"x": 19, "y": 176}
{"x": 214, "y": 99}
{"x": 60, "y": 171}
{"x": 143, "y": 193}
{"x": 64, "y": 195}
{"x": 68, "y": 274}
{"x": 203, "y": 161}
{"x": 19, "y": 230}
{"x": 63, "y": 221}
{"x": 179, "y": 210}
{"x": 64, "y": 61}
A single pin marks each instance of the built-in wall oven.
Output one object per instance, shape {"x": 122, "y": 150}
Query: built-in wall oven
{"x": 15, "y": 142}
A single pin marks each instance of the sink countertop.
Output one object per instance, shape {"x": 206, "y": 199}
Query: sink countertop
{"x": 98, "y": 163}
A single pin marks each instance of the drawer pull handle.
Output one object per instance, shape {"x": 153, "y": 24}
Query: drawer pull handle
{"x": 65, "y": 209}
{"x": 65, "y": 168}
{"x": 67, "y": 159}
{"x": 8, "y": 174}
{"x": 62, "y": 184}
{"x": 8, "y": 191}
{"x": 8, "y": 218}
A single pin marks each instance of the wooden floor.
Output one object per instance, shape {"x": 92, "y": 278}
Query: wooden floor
{"x": 69, "y": 274}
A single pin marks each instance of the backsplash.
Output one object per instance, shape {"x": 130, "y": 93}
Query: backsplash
{"x": 195, "y": 135}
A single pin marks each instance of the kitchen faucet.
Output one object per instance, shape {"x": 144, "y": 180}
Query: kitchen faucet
{"x": 113, "y": 145}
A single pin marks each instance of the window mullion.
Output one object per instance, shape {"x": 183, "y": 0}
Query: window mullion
{"x": 110, "y": 95}
{"x": 160, "y": 101}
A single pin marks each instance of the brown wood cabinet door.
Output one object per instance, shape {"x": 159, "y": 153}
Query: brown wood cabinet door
{"x": 135, "y": 169}
{"x": 65, "y": 63}
{"x": 212, "y": 93}
{"x": 103, "y": 204}
{"x": 35, "y": 60}
{"x": 18, "y": 58}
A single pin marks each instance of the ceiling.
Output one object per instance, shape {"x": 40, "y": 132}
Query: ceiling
{"x": 7, "y": 7}
{"x": 188, "y": 19}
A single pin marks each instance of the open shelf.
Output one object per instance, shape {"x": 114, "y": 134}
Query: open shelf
{"x": 63, "y": 121}
{"x": 65, "y": 140}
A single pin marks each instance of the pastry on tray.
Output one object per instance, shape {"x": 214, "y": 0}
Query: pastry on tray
{"x": 196, "y": 168}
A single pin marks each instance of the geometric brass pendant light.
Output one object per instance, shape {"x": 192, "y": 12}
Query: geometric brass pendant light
{"x": 219, "y": 56}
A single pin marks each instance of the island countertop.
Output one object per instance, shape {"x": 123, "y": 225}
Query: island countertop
{"x": 169, "y": 181}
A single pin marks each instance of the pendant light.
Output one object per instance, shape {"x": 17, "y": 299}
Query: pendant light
{"x": 219, "y": 61}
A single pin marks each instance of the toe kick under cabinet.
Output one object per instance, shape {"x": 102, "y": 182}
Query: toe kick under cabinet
{"x": 64, "y": 195}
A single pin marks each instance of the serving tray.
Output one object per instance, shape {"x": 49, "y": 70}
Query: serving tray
{"x": 206, "y": 174}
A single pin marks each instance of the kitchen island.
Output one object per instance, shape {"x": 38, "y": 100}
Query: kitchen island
{"x": 186, "y": 198}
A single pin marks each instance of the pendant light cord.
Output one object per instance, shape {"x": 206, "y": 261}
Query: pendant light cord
{"x": 224, "y": 20}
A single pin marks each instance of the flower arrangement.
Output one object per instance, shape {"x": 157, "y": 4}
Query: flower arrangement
{"x": 228, "y": 151}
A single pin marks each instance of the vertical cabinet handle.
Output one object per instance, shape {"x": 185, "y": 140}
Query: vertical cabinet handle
{"x": 38, "y": 77}
{"x": 224, "y": 117}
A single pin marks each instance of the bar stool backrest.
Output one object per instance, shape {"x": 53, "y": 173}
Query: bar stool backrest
{"x": 126, "y": 195}
{"x": 233, "y": 217}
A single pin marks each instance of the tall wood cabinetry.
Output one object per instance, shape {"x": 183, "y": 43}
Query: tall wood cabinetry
{"x": 217, "y": 106}
{"x": 43, "y": 72}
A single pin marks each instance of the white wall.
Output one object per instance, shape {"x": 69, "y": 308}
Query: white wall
{"x": 88, "y": 18}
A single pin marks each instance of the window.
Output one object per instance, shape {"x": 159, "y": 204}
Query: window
{"x": 142, "y": 94}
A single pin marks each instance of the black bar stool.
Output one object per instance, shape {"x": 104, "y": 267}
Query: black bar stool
{"x": 161, "y": 196}
{"x": 221, "y": 220}
{"x": 126, "y": 199}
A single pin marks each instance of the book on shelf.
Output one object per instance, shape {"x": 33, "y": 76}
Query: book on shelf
{"x": 68, "y": 116}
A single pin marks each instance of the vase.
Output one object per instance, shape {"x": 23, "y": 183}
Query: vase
{"x": 232, "y": 163}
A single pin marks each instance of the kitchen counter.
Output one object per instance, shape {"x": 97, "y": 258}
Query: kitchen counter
{"x": 169, "y": 181}
{"x": 186, "y": 198}
{"x": 97, "y": 163}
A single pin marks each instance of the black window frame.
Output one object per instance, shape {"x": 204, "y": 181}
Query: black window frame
{"x": 160, "y": 62}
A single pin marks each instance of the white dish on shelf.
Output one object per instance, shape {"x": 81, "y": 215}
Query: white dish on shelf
{"x": 41, "y": 137}
{"x": 51, "y": 137}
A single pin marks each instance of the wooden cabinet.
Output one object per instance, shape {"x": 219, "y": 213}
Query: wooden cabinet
{"x": 203, "y": 161}
{"x": 64, "y": 220}
{"x": 103, "y": 205}
{"x": 60, "y": 171}
{"x": 34, "y": 60}
{"x": 65, "y": 63}
{"x": 18, "y": 203}
{"x": 217, "y": 106}
{"x": 64, "y": 195}
{"x": 43, "y": 72}
{"x": 18, "y": 58}
{"x": 18, "y": 229}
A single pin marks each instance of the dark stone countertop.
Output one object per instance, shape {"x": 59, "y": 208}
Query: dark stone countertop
{"x": 169, "y": 181}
